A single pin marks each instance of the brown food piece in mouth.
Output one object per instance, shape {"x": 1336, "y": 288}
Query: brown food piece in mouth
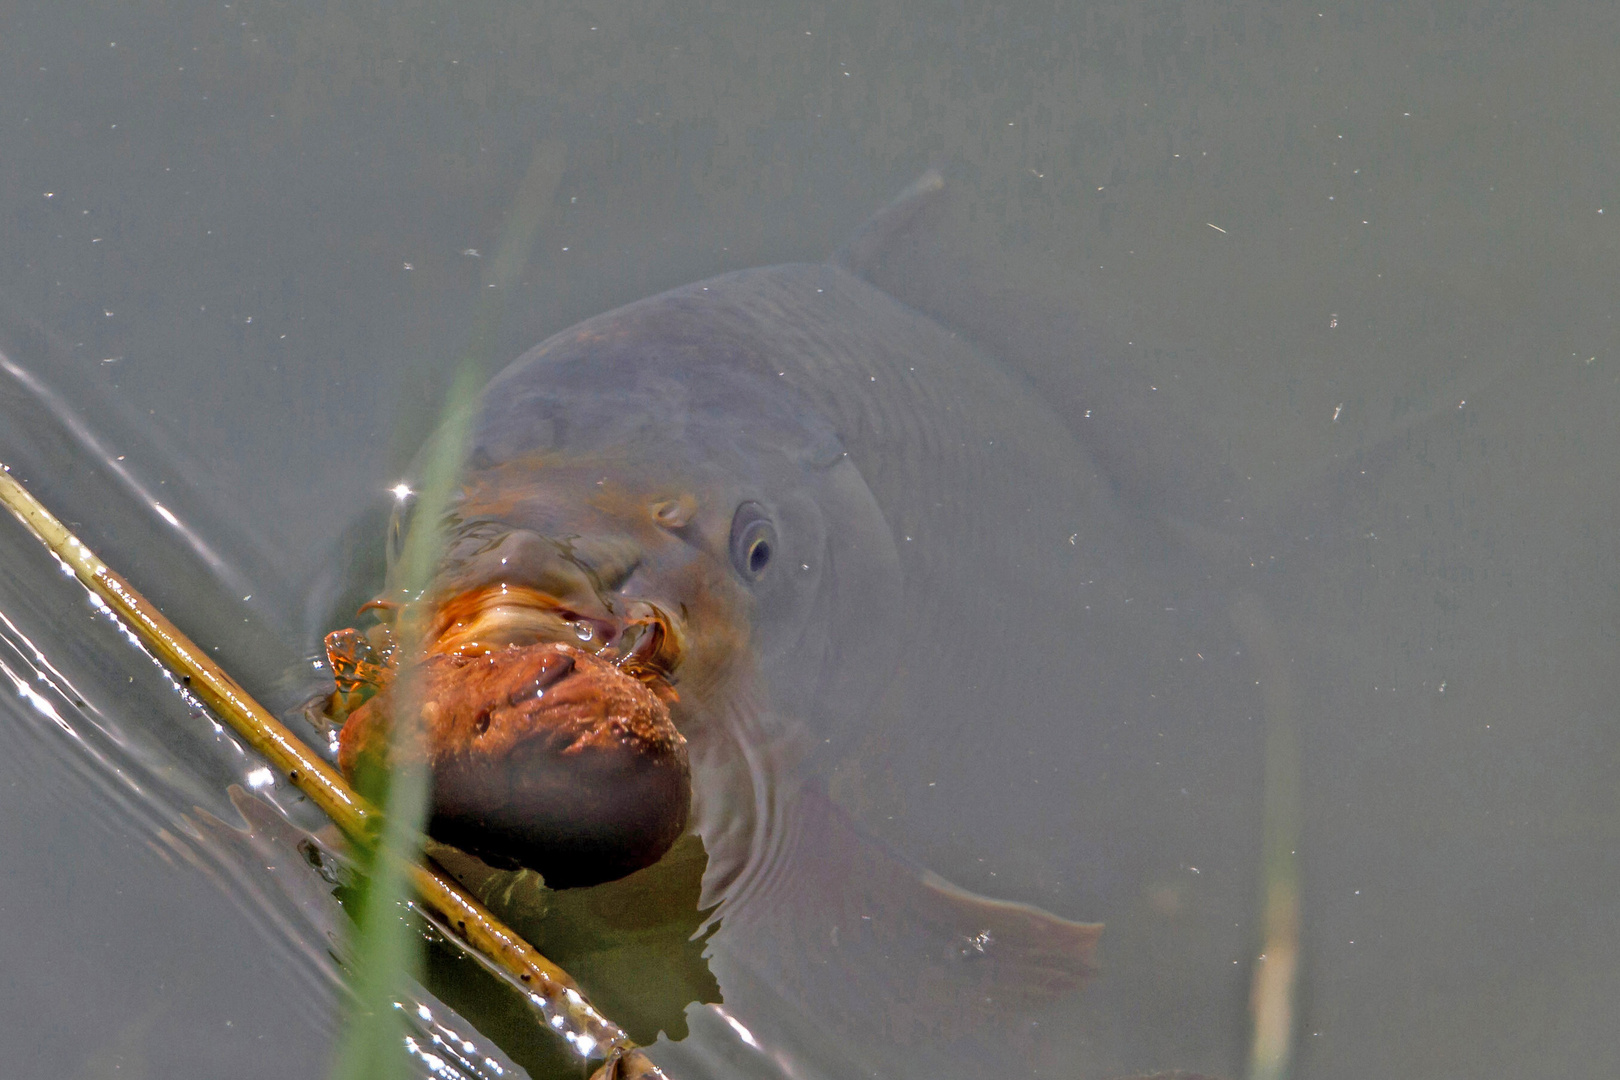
{"x": 543, "y": 756}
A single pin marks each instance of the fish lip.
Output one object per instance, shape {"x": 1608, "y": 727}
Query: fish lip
{"x": 642, "y": 638}
{"x": 539, "y": 757}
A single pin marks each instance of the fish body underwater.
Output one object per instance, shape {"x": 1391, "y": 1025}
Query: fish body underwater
{"x": 847, "y": 523}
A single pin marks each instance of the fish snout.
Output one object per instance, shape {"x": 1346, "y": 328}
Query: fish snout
{"x": 577, "y": 570}
{"x": 503, "y": 587}
{"x": 544, "y": 700}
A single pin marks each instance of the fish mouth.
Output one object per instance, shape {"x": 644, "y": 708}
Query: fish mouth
{"x": 638, "y": 637}
{"x": 642, "y": 639}
{"x": 546, "y": 725}
{"x": 542, "y": 756}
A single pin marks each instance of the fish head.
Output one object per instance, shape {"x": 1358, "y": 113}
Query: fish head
{"x": 698, "y": 521}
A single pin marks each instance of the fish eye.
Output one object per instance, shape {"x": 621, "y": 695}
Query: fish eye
{"x": 753, "y": 541}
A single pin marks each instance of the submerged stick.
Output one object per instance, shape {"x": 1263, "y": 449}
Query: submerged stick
{"x": 549, "y": 987}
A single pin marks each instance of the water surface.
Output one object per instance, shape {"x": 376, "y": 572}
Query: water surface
{"x": 1364, "y": 256}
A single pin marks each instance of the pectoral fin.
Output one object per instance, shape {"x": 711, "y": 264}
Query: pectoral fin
{"x": 891, "y": 957}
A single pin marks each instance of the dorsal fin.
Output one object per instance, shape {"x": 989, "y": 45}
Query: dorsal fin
{"x": 1147, "y": 440}
{"x": 868, "y": 244}
{"x": 1151, "y": 432}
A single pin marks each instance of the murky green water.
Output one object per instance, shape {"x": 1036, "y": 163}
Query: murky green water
{"x": 1361, "y": 259}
